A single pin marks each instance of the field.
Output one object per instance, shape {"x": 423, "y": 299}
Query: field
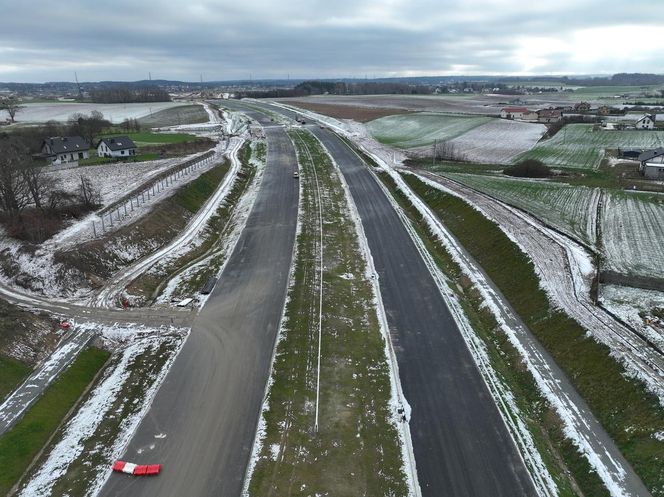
{"x": 498, "y": 141}
{"x": 421, "y": 129}
{"x": 633, "y": 233}
{"x": 578, "y": 146}
{"x": 60, "y": 111}
{"x": 175, "y": 116}
{"x": 568, "y": 208}
{"x": 360, "y": 114}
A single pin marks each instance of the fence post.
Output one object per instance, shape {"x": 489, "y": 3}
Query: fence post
{"x": 94, "y": 230}
{"x": 103, "y": 227}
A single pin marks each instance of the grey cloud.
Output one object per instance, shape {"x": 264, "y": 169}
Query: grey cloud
{"x": 227, "y": 40}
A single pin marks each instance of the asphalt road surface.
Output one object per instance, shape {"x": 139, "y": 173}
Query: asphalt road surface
{"x": 202, "y": 422}
{"x": 461, "y": 444}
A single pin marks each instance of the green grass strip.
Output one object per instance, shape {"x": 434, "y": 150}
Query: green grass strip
{"x": 20, "y": 445}
{"x": 195, "y": 194}
{"x": 628, "y": 412}
{"x": 12, "y": 373}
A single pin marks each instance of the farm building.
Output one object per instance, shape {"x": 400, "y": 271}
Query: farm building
{"x": 645, "y": 122}
{"x": 116, "y": 146}
{"x": 64, "y": 149}
{"x": 521, "y": 113}
{"x": 652, "y": 164}
{"x": 549, "y": 115}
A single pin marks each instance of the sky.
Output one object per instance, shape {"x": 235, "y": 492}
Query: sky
{"x": 126, "y": 40}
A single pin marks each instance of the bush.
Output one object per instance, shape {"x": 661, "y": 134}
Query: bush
{"x": 529, "y": 168}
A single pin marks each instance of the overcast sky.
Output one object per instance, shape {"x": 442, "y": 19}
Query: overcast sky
{"x": 45, "y": 40}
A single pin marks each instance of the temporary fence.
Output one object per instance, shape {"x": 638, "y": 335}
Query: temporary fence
{"x": 112, "y": 215}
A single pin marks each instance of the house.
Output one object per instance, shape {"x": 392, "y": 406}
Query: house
{"x": 521, "y": 113}
{"x": 652, "y": 164}
{"x": 582, "y": 107}
{"x": 65, "y": 149}
{"x": 116, "y": 146}
{"x": 549, "y": 115}
{"x": 646, "y": 122}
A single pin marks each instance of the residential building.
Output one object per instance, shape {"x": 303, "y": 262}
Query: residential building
{"x": 521, "y": 113}
{"x": 65, "y": 149}
{"x": 116, "y": 146}
{"x": 549, "y": 115}
{"x": 652, "y": 164}
{"x": 645, "y": 122}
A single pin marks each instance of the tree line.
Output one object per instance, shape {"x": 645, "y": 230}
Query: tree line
{"x": 120, "y": 95}
{"x": 307, "y": 88}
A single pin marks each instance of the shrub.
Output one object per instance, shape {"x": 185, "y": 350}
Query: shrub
{"x": 529, "y": 168}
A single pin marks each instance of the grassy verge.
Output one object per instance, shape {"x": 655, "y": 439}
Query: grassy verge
{"x": 22, "y": 443}
{"x": 631, "y": 415}
{"x": 12, "y": 373}
{"x": 143, "y": 367}
{"x": 196, "y": 193}
{"x": 148, "y": 286}
{"x": 355, "y": 450}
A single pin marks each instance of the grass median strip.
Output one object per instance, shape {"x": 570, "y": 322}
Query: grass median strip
{"x": 356, "y": 449}
{"x": 630, "y": 414}
{"x": 21, "y": 444}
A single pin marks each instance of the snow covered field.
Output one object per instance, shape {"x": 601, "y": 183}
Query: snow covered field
{"x": 632, "y": 305}
{"x": 633, "y": 233}
{"x": 60, "y": 111}
{"x": 421, "y": 129}
{"x": 498, "y": 141}
{"x": 577, "y": 145}
{"x": 571, "y": 209}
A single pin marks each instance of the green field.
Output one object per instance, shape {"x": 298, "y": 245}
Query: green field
{"x": 580, "y": 146}
{"x": 422, "y": 128}
{"x": 633, "y": 233}
{"x": 19, "y": 445}
{"x": 571, "y": 209}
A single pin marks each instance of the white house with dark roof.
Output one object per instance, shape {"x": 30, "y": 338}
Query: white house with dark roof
{"x": 65, "y": 149}
{"x": 646, "y": 122}
{"x": 116, "y": 146}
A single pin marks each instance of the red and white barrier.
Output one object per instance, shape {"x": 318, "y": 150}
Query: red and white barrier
{"x": 136, "y": 469}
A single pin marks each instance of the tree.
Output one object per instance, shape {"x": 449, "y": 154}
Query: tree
{"x": 38, "y": 184}
{"x": 15, "y": 157}
{"x": 89, "y": 127}
{"x": 11, "y": 105}
{"x": 88, "y": 193}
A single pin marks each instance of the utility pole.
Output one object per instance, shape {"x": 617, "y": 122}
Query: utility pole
{"x": 433, "y": 156}
{"x": 80, "y": 93}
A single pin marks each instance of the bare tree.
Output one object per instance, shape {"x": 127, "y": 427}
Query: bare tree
{"x": 88, "y": 193}
{"x": 89, "y": 127}
{"x": 13, "y": 192}
{"x": 11, "y": 105}
{"x": 38, "y": 184}
{"x": 446, "y": 150}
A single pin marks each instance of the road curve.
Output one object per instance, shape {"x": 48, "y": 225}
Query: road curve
{"x": 202, "y": 422}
